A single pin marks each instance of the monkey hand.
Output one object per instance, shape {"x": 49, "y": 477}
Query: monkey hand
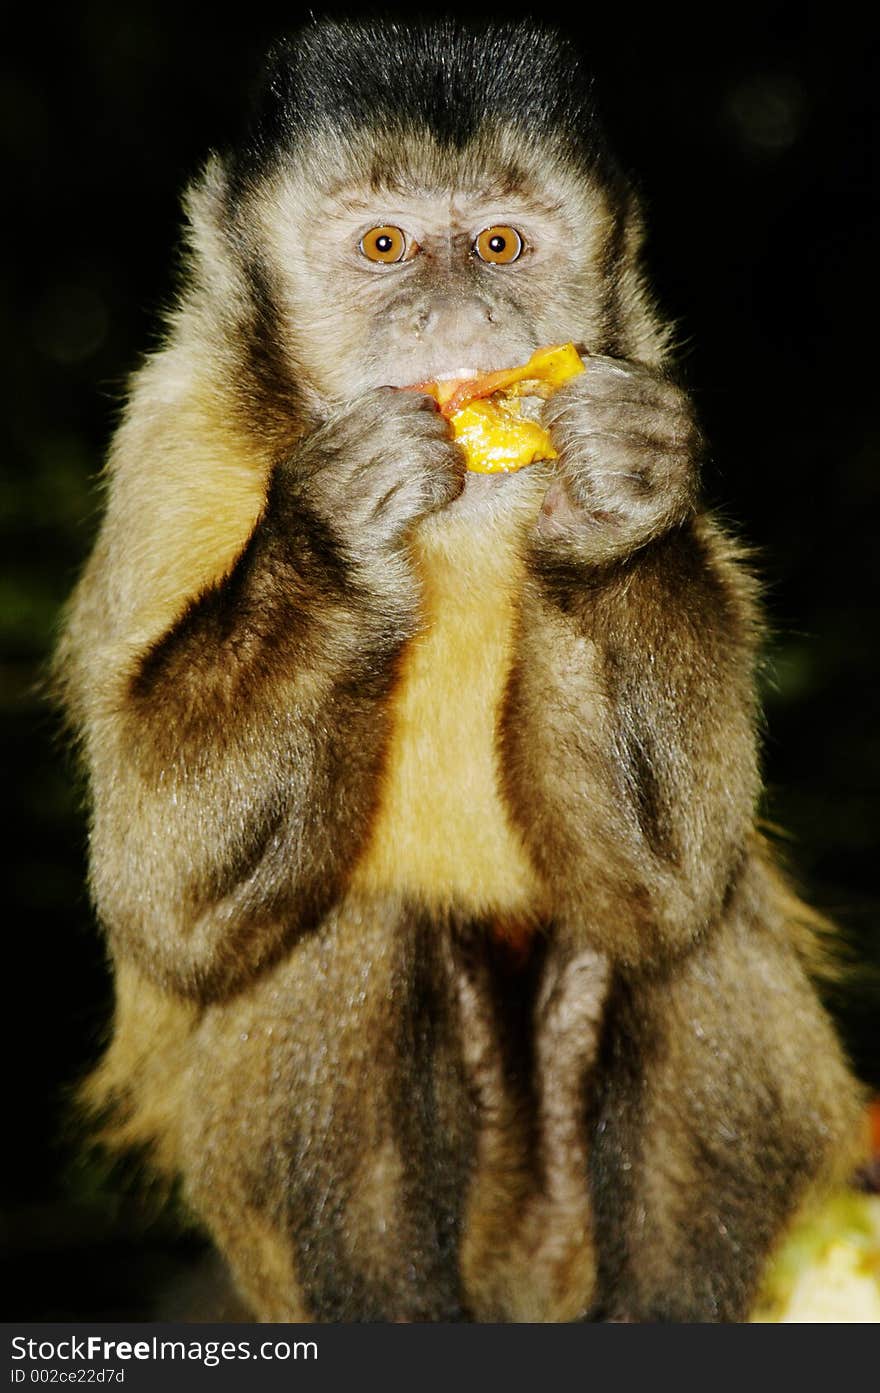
{"x": 629, "y": 449}
{"x": 376, "y": 467}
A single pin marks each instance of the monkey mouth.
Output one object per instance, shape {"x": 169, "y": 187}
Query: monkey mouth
{"x": 455, "y": 374}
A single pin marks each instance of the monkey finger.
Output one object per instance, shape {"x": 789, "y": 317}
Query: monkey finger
{"x": 640, "y": 421}
{"x": 417, "y": 492}
{"x": 617, "y": 472}
{"x": 625, "y": 381}
{"x": 406, "y": 402}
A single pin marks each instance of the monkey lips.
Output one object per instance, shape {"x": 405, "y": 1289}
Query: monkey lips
{"x": 486, "y": 412}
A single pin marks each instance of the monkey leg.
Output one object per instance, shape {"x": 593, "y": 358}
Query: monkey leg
{"x": 390, "y": 1126}
{"x": 531, "y": 1042}
{"x": 724, "y": 1097}
{"x": 331, "y": 1130}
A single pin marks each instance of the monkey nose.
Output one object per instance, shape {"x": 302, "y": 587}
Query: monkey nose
{"x": 453, "y": 317}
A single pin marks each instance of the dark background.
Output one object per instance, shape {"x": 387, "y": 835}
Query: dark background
{"x": 751, "y": 131}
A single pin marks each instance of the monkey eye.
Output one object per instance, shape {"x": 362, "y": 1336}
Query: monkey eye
{"x": 498, "y": 245}
{"x": 387, "y": 244}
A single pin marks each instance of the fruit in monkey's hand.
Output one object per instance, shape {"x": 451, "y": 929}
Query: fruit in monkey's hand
{"x": 486, "y": 412}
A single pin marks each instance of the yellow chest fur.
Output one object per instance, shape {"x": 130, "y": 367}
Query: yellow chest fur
{"x": 442, "y": 832}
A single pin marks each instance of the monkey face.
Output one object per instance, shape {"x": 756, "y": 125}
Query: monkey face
{"x": 433, "y": 263}
{"x": 409, "y": 206}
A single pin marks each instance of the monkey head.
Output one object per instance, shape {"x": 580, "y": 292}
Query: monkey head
{"x": 416, "y": 210}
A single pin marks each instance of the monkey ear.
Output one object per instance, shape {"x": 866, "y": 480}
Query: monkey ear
{"x": 633, "y": 223}
{"x": 650, "y": 336}
{"x": 206, "y": 204}
{"x": 205, "y": 199}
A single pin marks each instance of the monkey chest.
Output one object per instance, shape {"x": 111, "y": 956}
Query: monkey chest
{"x": 442, "y": 831}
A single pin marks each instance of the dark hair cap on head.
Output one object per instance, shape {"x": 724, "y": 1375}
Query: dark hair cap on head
{"x": 444, "y": 76}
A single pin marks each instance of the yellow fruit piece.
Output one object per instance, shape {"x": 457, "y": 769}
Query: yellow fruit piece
{"x": 547, "y": 369}
{"x": 497, "y": 440}
{"x": 553, "y": 366}
{"x": 495, "y": 437}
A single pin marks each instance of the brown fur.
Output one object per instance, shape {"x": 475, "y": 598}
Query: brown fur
{"x": 452, "y": 973}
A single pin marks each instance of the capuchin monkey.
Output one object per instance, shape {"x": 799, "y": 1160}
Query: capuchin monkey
{"x": 452, "y": 974}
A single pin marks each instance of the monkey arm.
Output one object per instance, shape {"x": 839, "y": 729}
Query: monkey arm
{"x": 630, "y": 738}
{"x": 234, "y": 754}
{"x": 233, "y": 777}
